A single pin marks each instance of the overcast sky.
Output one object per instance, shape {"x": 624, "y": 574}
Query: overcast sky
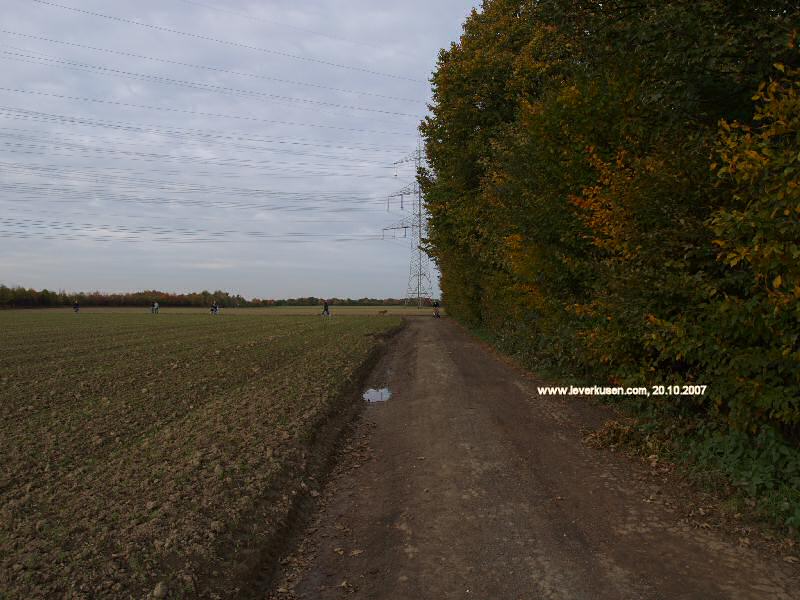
{"x": 240, "y": 145}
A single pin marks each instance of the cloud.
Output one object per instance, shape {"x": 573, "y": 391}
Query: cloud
{"x": 229, "y": 165}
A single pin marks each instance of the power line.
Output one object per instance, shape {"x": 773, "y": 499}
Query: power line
{"x": 208, "y": 68}
{"x": 87, "y": 68}
{"x": 250, "y": 17}
{"x": 354, "y": 163}
{"x": 186, "y": 111}
{"x": 64, "y": 172}
{"x": 52, "y": 194}
{"x": 179, "y": 132}
{"x": 56, "y": 229}
{"x": 178, "y": 193}
{"x": 33, "y": 224}
{"x": 288, "y": 200}
{"x": 227, "y": 42}
{"x": 254, "y": 166}
{"x": 64, "y": 190}
{"x": 288, "y": 219}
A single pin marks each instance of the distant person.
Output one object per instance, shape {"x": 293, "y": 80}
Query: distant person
{"x": 326, "y": 309}
{"x": 152, "y": 308}
{"x": 155, "y": 308}
{"x": 76, "y": 307}
{"x": 214, "y": 308}
{"x": 436, "y": 312}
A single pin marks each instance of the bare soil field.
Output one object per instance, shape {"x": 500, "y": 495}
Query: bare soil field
{"x": 162, "y": 455}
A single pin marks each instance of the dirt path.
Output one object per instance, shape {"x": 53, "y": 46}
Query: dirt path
{"x": 467, "y": 484}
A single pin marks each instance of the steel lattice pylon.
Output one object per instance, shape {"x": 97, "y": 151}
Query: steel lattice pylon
{"x": 419, "y": 275}
{"x": 420, "y": 288}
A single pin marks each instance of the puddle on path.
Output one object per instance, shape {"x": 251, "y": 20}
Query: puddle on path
{"x": 377, "y": 395}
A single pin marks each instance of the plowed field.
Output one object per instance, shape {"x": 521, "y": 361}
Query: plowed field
{"x": 159, "y": 455}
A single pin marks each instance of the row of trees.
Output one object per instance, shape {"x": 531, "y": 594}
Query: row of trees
{"x": 613, "y": 191}
{"x": 20, "y": 297}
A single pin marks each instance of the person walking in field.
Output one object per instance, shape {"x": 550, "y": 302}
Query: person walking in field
{"x": 76, "y": 306}
{"x": 214, "y": 308}
{"x": 155, "y": 308}
{"x": 436, "y": 313}
{"x": 326, "y": 309}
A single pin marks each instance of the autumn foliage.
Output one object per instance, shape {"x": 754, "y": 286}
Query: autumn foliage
{"x": 613, "y": 192}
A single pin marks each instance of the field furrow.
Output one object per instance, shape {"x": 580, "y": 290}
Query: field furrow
{"x": 138, "y": 449}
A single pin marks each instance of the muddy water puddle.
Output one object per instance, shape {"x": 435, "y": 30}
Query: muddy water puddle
{"x": 374, "y": 395}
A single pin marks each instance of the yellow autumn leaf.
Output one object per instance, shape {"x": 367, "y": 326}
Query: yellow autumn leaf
{"x": 776, "y": 283}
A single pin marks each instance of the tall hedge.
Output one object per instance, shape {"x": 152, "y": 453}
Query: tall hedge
{"x": 613, "y": 191}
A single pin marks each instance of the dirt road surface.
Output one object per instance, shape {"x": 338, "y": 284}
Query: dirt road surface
{"x": 468, "y": 484}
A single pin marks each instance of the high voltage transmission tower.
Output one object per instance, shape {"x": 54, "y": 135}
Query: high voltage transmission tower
{"x": 419, "y": 288}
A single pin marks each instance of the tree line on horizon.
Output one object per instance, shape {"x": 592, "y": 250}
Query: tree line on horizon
{"x": 613, "y": 195}
{"x": 21, "y": 297}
